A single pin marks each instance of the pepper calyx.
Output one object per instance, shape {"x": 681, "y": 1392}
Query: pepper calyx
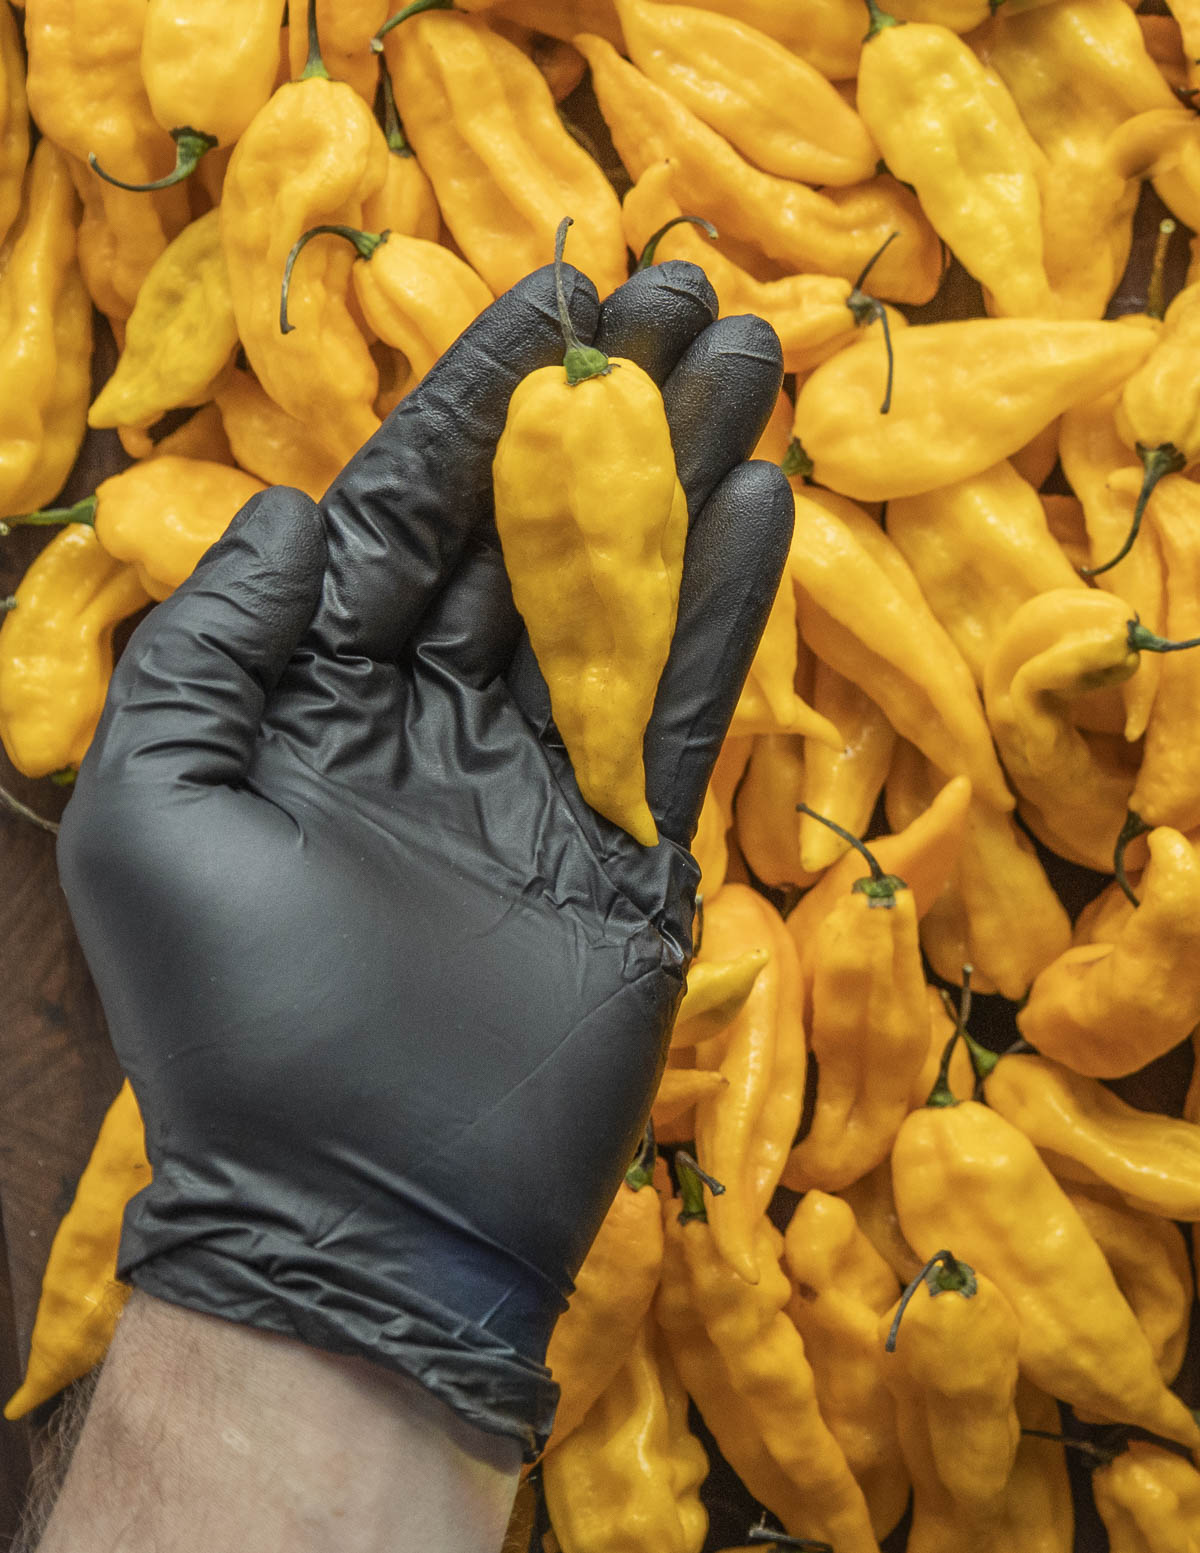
{"x": 413, "y": 9}
{"x": 796, "y": 462}
{"x": 692, "y": 1181}
{"x": 579, "y": 360}
{"x": 942, "y": 1274}
{"x": 880, "y": 20}
{"x": 190, "y": 146}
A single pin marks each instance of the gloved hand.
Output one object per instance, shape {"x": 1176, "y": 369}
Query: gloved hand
{"x": 393, "y": 999}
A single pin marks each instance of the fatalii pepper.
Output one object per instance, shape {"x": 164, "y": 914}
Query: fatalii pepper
{"x": 312, "y": 154}
{"x": 873, "y": 1204}
{"x": 415, "y": 295}
{"x": 486, "y": 129}
{"x": 14, "y": 121}
{"x": 766, "y": 1367}
{"x": 56, "y": 649}
{"x": 347, "y": 29}
{"x": 208, "y": 66}
{"x": 609, "y": 1304}
{"x": 951, "y": 1366}
{"x": 406, "y": 203}
{"x": 81, "y": 1299}
{"x": 268, "y": 441}
{"x": 1039, "y": 1513}
{"x": 1088, "y": 1134}
{"x": 716, "y": 990}
{"x": 841, "y": 1286}
{"x": 765, "y": 810}
{"x": 1107, "y": 1009}
{"x": 1148, "y": 1499}
{"x": 949, "y": 127}
{"x": 965, "y": 1175}
{"x": 601, "y": 633}
{"x": 843, "y": 785}
{"x": 869, "y": 1031}
{"x": 1021, "y": 372}
{"x": 180, "y": 335}
{"x": 803, "y": 230}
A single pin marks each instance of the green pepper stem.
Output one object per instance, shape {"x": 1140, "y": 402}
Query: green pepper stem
{"x": 22, "y": 811}
{"x": 864, "y": 308}
{"x": 84, "y": 511}
{"x": 314, "y": 65}
{"x": 879, "y": 20}
{"x": 1156, "y": 290}
{"x": 393, "y": 130}
{"x": 780, "y": 1539}
{"x": 652, "y": 242}
{"x": 190, "y": 146}
{"x": 641, "y": 1172}
{"x": 365, "y": 242}
{"x": 413, "y": 9}
{"x": 581, "y": 361}
{"x": 881, "y": 888}
{"x": 796, "y": 462}
{"x": 942, "y": 1274}
{"x": 983, "y": 1059}
{"x": 8, "y": 603}
{"x": 1141, "y": 639}
{"x": 692, "y": 1181}
{"x": 1163, "y": 459}
{"x": 1134, "y": 826}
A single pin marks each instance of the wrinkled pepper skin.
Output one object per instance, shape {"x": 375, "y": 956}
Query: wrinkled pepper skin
{"x": 843, "y": 785}
{"x": 81, "y": 1299}
{"x": 210, "y": 65}
{"x": 269, "y": 442}
{"x": 1039, "y": 1512}
{"x": 86, "y": 94}
{"x": 1160, "y": 403}
{"x": 56, "y": 650}
{"x": 1149, "y": 1259}
{"x": 1149, "y": 1500}
{"x": 965, "y": 1176}
{"x": 1108, "y": 1009}
{"x": 1089, "y": 1134}
{"x": 777, "y": 110}
{"x": 949, "y": 127}
{"x": 587, "y": 495}
{"x": 861, "y": 611}
{"x": 800, "y": 229}
{"x": 1025, "y": 372}
{"x": 613, "y": 1291}
{"x": 45, "y": 340}
{"x": 610, "y": 1486}
{"x": 953, "y": 1378}
{"x": 486, "y": 129}
{"x": 841, "y": 1286}
{"x": 312, "y": 154}
{"x": 869, "y": 1034}
{"x": 180, "y": 335}
{"x": 765, "y": 810}
{"x": 14, "y": 121}
{"x": 874, "y": 1207}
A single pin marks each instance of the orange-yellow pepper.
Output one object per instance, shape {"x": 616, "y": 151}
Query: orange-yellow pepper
{"x": 14, "y": 121}
{"x": 844, "y": 784}
{"x": 1148, "y": 1499}
{"x": 346, "y": 28}
{"x": 406, "y": 203}
{"x": 268, "y": 441}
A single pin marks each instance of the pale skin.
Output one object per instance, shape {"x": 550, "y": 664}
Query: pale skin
{"x": 204, "y": 1434}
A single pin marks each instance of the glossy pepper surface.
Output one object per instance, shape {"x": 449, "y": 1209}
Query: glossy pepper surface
{"x": 81, "y": 1299}
{"x": 1148, "y": 1499}
{"x": 592, "y": 522}
{"x": 1026, "y": 372}
{"x": 485, "y": 127}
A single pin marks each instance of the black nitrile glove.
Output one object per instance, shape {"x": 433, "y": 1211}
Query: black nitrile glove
{"x": 393, "y": 999}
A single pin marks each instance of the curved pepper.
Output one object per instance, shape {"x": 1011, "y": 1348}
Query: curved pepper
{"x": 1090, "y": 1135}
{"x": 1149, "y": 1259}
{"x": 268, "y": 441}
{"x": 874, "y": 1207}
{"x": 951, "y": 1367}
{"x": 841, "y": 1286}
{"x": 861, "y": 612}
{"x": 775, "y": 108}
{"x": 614, "y": 546}
{"x": 81, "y": 1299}
{"x": 716, "y": 990}
{"x": 313, "y": 153}
{"x": 406, "y": 203}
{"x": 1148, "y": 1499}
{"x": 180, "y": 335}
{"x": 485, "y": 126}
{"x": 869, "y": 1032}
{"x": 949, "y": 127}
{"x": 1020, "y": 372}
{"x": 765, "y": 810}
{"x": 613, "y": 1291}
{"x": 965, "y": 1175}
{"x": 800, "y": 229}
{"x": 14, "y": 121}
{"x": 844, "y": 784}
{"x": 56, "y": 650}
{"x": 1107, "y": 1009}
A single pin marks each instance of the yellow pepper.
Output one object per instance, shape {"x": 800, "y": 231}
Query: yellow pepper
{"x": 1149, "y": 1500}
{"x": 180, "y": 335}
{"x": 716, "y": 990}
{"x": 81, "y": 1299}
{"x": 406, "y": 203}
{"x": 710, "y": 844}
{"x": 841, "y": 1286}
{"x": 844, "y": 784}
{"x": 960, "y": 1080}
{"x": 201, "y": 436}
{"x": 833, "y": 233}
{"x": 346, "y": 28}
{"x": 268, "y": 441}
{"x": 869, "y": 1032}
{"x": 485, "y": 126}
{"x": 1038, "y": 1515}
{"x": 56, "y": 650}
{"x": 951, "y": 1366}
{"x": 1092, "y": 1136}
{"x": 873, "y": 1204}
{"x": 862, "y": 613}
{"x": 601, "y": 633}
{"x": 1022, "y": 373}
{"x": 14, "y": 121}
{"x": 765, "y": 810}
{"x": 313, "y": 153}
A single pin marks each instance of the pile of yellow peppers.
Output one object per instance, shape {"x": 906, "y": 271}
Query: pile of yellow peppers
{"x": 889, "y": 1268}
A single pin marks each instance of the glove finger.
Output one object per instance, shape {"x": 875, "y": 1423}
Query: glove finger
{"x": 472, "y": 627}
{"x": 655, "y": 316}
{"x": 735, "y": 556}
{"x": 187, "y": 697}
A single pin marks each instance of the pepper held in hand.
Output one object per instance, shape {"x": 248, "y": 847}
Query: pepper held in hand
{"x": 592, "y": 521}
